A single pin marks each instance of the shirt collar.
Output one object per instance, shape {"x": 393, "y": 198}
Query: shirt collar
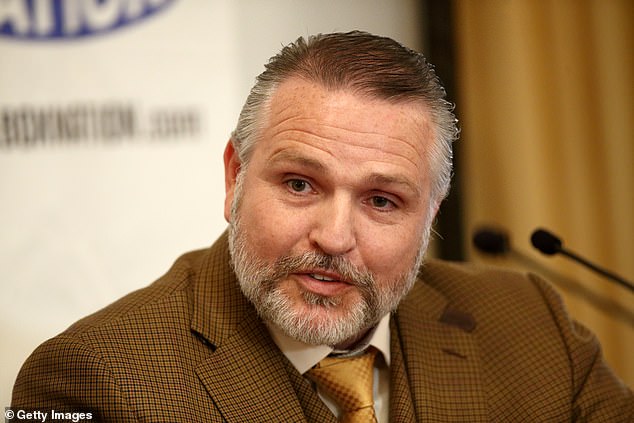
{"x": 304, "y": 356}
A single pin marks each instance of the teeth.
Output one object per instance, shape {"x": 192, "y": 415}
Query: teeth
{"x": 321, "y": 277}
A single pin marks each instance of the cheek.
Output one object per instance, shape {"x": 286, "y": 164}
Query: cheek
{"x": 272, "y": 230}
{"x": 390, "y": 253}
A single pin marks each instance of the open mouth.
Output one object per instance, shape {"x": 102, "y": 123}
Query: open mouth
{"x": 322, "y": 278}
{"x": 323, "y": 283}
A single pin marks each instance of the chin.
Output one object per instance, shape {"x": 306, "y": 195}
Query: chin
{"x": 322, "y": 324}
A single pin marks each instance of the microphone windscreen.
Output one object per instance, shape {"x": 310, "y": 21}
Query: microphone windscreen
{"x": 546, "y": 242}
{"x": 491, "y": 241}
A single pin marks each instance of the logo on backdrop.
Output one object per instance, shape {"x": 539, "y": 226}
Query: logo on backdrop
{"x": 112, "y": 122}
{"x": 72, "y": 19}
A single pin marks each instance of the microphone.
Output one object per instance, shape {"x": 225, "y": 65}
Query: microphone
{"x": 550, "y": 244}
{"x": 491, "y": 241}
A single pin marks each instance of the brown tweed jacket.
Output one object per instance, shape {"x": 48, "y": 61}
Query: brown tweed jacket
{"x": 468, "y": 345}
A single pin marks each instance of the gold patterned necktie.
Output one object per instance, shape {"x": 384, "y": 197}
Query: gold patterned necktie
{"x": 348, "y": 381}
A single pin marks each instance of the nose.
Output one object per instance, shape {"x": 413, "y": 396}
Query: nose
{"x": 333, "y": 231}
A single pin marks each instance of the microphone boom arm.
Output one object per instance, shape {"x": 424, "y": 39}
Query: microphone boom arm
{"x": 550, "y": 244}
{"x": 599, "y": 270}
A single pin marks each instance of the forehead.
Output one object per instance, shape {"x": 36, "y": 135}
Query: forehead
{"x": 347, "y": 120}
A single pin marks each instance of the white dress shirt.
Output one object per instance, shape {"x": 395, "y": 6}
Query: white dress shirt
{"x": 305, "y": 356}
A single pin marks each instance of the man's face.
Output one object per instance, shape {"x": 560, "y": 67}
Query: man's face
{"x": 332, "y": 213}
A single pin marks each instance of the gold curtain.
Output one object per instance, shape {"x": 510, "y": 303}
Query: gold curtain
{"x": 545, "y": 100}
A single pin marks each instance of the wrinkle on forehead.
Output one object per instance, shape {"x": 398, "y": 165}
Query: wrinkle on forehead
{"x": 387, "y": 145}
{"x": 309, "y": 109}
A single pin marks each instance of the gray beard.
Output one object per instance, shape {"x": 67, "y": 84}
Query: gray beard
{"x": 260, "y": 284}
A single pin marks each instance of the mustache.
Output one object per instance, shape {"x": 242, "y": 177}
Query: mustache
{"x": 313, "y": 261}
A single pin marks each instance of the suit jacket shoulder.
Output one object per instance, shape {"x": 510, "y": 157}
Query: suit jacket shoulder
{"x": 529, "y": 358}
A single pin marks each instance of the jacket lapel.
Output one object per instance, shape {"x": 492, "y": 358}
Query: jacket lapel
{"x": 401, "y": 401}
{"x": 440, "y": 358}
{"x": 247, "y": 380}
{"x": 245, "y": 374}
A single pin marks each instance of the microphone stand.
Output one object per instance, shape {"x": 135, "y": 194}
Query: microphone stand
{"x": 599, "y": 270}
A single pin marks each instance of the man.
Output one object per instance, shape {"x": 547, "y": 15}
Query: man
{"x": 340, "y": 160}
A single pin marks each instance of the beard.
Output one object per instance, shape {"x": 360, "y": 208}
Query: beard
{"x": 303, "y": 315}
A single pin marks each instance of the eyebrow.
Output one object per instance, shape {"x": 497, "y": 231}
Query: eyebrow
{"x": 316, "y": 165}
{"x": 289, "y": 156}
{"x": 382, "y": 179}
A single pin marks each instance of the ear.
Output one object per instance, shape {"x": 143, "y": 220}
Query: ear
{"x": 437, "y": 204}
{"x": 232, "y": 167}
{"x": 434, "y": 211}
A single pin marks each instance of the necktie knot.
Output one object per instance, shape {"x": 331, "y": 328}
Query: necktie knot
{"x": 348, "y": 382}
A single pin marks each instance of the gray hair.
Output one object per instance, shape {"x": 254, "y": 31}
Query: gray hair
{"x": 362, "y": 63}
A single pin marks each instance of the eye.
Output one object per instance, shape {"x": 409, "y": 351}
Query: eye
{"x": 382, "y": 203}
{"x": 298, "y": 185}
